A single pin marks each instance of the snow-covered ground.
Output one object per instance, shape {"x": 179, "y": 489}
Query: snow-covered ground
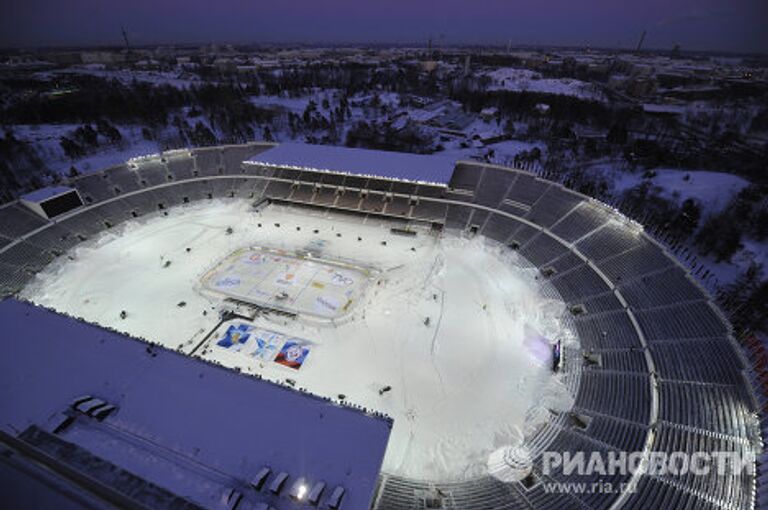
{"x": 727, "y": 271}
{"x": 46, "y": 138}
{"x": 457, "y": 328}
{"x": 177, "y": 78}
{"x": 525, "y": 80}
{"x": 292, "y": 104}
{"x": 713, "y": 190}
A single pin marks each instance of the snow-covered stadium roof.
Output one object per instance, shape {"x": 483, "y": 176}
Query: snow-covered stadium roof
{"x": 369, "y": 163}
{"x": 181, "y": 411}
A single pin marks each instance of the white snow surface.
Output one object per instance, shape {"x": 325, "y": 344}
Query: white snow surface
{"x": 390, "y": 165}
{"x": 176, "y": 79}
{"x": 525, "y": 80}
{"x": 463, "y": 385}
{"x": 47, "y": 137}
{"x": 713, "y": 190}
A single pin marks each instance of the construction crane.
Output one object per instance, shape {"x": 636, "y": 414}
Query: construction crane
{"x": 125, "y": 38}
{"x": 640, "y": 42}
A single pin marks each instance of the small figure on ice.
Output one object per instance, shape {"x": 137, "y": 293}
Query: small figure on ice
{"x": 385, "y": 389}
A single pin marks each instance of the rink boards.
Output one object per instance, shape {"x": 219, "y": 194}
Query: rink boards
{"x": 289, "y": 282}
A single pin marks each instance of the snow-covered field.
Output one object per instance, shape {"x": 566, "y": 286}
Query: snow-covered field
{"x": 525, "y": 80}
{"x": 46, "y": 138}
{"x": 713, "y": 190}
{"x": 456, "y": 328}
{"x": 176, "y": 79}
{"x": 292, "y": 104}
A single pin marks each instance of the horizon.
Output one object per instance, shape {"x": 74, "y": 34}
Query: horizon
{"x": 412, "y": 45}
{"x": 702, "y": 26}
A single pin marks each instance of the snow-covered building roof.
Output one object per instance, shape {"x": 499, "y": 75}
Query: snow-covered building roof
{"x": 369, "y": 163}
{"x": 671, "y": 109}
{"x": 181, "y": 429}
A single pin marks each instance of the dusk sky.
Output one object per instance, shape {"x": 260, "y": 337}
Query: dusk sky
{"x": 731, "y": 25}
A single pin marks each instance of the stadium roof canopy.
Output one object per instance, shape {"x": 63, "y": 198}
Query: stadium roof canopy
{"x": 45, "y": 193}
{"x": 183, "y": 432}
{"x": 429, "y": 169}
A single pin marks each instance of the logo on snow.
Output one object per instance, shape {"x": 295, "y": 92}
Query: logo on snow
{"x": 293, "y": 354}
{"x": 255, "y": 259}
{"x": 341, "y": 280}
{"x": 228, "y": 281}
{"x": 266, "y": 345}
{"x": 235, "y": 337}
{"x": 328, "y": 303}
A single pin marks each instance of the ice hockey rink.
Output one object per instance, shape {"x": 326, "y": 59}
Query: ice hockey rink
{"x": 296, "y": 283}
{"x": 448, "y": 335}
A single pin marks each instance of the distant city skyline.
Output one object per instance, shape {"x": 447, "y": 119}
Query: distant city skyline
{"x": 718, "y": 25}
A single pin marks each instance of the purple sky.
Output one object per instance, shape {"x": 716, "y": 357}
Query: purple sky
{"x": 734, "y": 25}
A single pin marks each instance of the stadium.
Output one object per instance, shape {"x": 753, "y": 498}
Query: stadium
{"x": 343, "y": 328}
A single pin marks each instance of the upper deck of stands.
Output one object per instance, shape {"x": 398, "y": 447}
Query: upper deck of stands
{"x": 431, "y": 169}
